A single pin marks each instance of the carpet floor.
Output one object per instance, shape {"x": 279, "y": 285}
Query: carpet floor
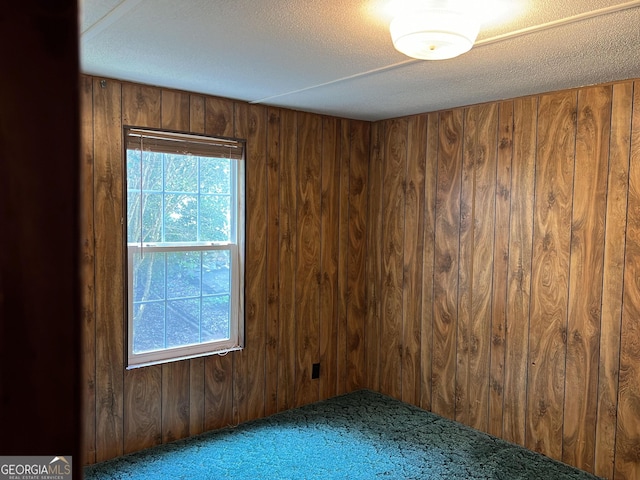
{"x": 361, "y": 435}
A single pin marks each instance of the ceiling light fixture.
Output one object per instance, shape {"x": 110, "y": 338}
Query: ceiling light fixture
{"x": 435, "y": 29}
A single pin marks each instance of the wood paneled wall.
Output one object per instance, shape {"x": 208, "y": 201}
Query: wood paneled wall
{"x": 307, "y": 194}
{"x": 480, "y": 262}
{"x": 503, "y": 266}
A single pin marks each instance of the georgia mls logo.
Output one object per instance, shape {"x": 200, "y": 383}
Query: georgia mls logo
{"x": 62, "y": 467}
{"x": 35, "y": 468}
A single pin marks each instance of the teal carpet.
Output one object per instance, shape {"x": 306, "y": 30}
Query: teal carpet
{"x": 362, "y": 435}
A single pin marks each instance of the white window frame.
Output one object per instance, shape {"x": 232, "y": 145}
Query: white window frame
{"x": 236, "y": 250}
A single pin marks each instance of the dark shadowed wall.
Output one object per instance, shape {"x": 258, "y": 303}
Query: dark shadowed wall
{"x": 39, "y": 327}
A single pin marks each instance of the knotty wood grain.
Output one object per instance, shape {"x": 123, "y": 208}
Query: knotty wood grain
{"x": 359, "y": 358}
{"x": 219, "y": 117}
{"x": 196, "y": 113}
{"x": 393, "y": 195}
{"x": 627, "y": 461}
{"x": 355, "y": 287}
{"x": 249, "y": 376}
{"x": 218, "y": 392}
{"x": 329, "y": 235}
{"x": 308, "y": 256}
{"x": 476, "y": 260}
{"x": 428, "y": 257}
{"x": 612, "y": 283}
{"x": 175, "y": 113}
{"x": 175, "y": 110}
{"x": 288, "y": 223}
{"x": 500, "y": 266}
{"x": 272, "y": 261}
{"x": 196, "y": 396}
{"x": 87, "y": 274}
{"x": 175, "y": 400}
{"x": 465, "y": 266}
{"x": 485, "y": 154}
{"x": 215, "y": 392}
{"x": 142, "y": 408}
{"x": 141, "y": 105}
{"x": 447, "y": 237}
{"x": 519, "y": 269}
{"x": 586, "y": 269}
{"x": 413, "y": 262}
{"x": 343, "y": 257}
{"x": 550, "y": 272}
{"x": 374, "y": 254}
{"x": 108, "y": 188}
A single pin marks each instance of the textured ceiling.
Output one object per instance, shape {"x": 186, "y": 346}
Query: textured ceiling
{"x": 336, "y": 56}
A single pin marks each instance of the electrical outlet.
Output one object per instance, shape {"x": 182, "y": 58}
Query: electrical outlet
{"x": 315, "y": 370}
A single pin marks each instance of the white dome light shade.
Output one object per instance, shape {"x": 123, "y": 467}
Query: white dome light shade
{"x": 434, "y": 33}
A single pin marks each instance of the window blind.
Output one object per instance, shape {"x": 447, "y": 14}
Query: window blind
{"x": 183, "y": 143}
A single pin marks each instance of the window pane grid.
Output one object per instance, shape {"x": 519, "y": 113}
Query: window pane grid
{"x": 183, "y": 216}
{"x": 213, "y": 295}
{"x": 143, "y": 189}
{"x": 171, "y": 301}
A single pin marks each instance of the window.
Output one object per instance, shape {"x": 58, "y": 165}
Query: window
{"x": 185, "y": 245}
